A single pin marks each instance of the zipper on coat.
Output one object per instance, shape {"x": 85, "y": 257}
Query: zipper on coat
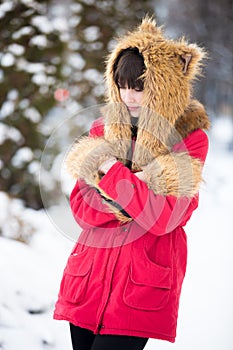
{"x": 113, "y": 260}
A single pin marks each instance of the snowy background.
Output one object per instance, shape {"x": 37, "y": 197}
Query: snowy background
{"x": 50, "y": 54}
{"x": 30, "y": 274}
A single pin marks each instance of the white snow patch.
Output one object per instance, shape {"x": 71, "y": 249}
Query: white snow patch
{"x": 34, "y": 167}
{"x": 42, "y": 79}
{"x": 13, "y": 94}
{"x": 33, "y": 67}
{"x": 16, "y": 49}
{"x": 6, "y": 7}
{"x": 76, "y": 7}
{"x": 32, "y": 114}
{"x": 43, "y": 24}
{"x": 51, "y": 70}
{"x": 39, "y": 79}
{"x": 76, "y": 61}
{"x": 7, "y": 109}
{"x": 7, "y": 60}
{"x": 92, "y": 33}
{"x": 93, "y": 75}
{"x": 9, "y": 132}
{"x": 94, "y": 46}
{"x": 24, "y": 103}
{"x": 22, "y": 156}
{"x": 222, "y": 129}
{"x": 74, "y": 21}
{"x": 39, "y": 40}
{"x": 23, "y": 31}
{"x": 74, "y": 45}
{"x": 60, "y": 24}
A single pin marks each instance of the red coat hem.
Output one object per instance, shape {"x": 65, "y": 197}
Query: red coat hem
{"x": 116, "y": 331}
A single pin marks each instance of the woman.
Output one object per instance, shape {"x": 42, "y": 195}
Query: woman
{"x": 138, "y": 175}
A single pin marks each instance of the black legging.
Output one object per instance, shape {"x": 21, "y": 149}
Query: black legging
{"x": 83, "y": 339}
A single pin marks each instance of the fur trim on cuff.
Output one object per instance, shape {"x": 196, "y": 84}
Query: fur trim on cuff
{"x": 86, "y": 156}
{"x": 176, "y": 174}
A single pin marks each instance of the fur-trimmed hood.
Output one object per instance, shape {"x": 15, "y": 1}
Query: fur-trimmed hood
{"x": 168, "y": 115}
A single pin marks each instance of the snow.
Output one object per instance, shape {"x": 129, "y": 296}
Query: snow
{"x": 39, "y": 40}
{"x": 37, "y": 68}
{"x": 92, "y": 33}
{"x": 43, "y": 24}
{"x": 32, "y": 114}
{"x": 31, "y": 273}
{"x": 27, "y": 30}
{"x": 7, "y": 109}
{"x": 24, "y": 103}
{"x": 76, "y": 7}
{"x": 5, "y": 7}
{"x": 60, "y": 24}
{"x": 76, "y": 61}
{"x": 7, "y": 60}
{"x": 16, "y": 49}
{"x": 74, "y": 21}
{"x": 222, "y": 129}
{"x": 22, "y": 156}
{"x": 9, "y": 132}
{"x": 13, "y": 94}
{"x": 42, "y": 79}
{"x": 93, "y": 75}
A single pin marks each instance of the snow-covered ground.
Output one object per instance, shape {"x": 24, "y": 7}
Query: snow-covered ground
{"x": 30, "y": 273}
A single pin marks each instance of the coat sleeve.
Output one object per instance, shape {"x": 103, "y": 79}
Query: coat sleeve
{"x": 88, "y": 207}
{"x": 158, "y": 214}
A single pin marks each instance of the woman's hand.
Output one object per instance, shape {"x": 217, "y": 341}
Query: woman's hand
{"x": 105, "y": 166}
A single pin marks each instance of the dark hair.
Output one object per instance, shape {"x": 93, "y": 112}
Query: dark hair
{"x": 128, "y": 69}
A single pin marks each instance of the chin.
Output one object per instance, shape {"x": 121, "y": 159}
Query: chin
{"x": 135, "y": 114}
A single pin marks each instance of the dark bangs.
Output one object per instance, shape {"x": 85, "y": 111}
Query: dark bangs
{"x": 128, "y": 67}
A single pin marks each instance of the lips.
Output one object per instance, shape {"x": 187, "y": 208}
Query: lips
{"x": 132, "y": 108}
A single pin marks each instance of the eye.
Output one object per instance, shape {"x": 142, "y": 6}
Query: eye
{"x": 138, "y": 89}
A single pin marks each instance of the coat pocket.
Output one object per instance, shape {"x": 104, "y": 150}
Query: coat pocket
{"x": 148, "y": 284}
{"x": 75, "y": 278}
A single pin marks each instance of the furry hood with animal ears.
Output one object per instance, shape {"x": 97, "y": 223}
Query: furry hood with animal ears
{"x": 171, "y": 68}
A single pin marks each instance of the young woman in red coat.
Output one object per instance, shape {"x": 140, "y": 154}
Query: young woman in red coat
{"x": 138, "y": 176}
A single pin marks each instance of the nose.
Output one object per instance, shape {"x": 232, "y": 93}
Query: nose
{"x": 129, "y": 97}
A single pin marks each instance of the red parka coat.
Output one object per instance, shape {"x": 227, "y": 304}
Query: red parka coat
{"x": 124, "y": 275}
{"x": 126, "y": 278}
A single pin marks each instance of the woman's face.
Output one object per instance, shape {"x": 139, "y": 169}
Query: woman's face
{"x": 132, "y": 98}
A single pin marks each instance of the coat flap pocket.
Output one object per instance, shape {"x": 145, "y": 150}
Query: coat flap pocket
{"x": 145, "y": 272}
{"x": 79, "y": 264}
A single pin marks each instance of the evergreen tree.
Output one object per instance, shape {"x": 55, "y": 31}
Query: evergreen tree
{"x": 30, "y": 65}
{"x": 46, "y": 45}
{"x": 94, "y": 24}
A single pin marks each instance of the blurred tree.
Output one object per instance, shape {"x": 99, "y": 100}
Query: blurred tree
{"x": 210, "y": 24}
{"x": 50, "y": 47}
{"x": 93, "y": 26}
{"x": 30, "y": 65}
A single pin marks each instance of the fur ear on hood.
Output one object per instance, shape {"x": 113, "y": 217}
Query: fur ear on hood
{"x": 191, "y": 58}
